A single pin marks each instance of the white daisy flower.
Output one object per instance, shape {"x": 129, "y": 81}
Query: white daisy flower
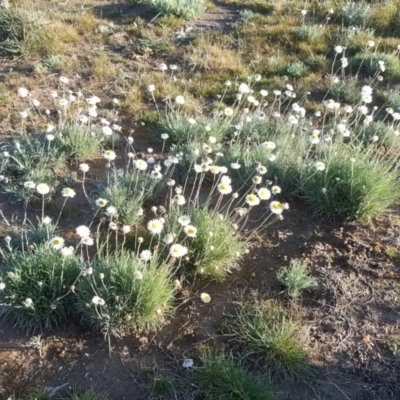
{"x": 264, "y": 194}
{"x": 57, "y": 243}
{"x": 141, "y": 165}
{"x": 179, "y": 200}
{"x": 43, "y": 188}
{"x": 88, "y": 241}
{"x": 320, "y": 166}
{"x": 178, "y": 251}
{"x": 276, "y": 189}
{"x": 184, "y": 220}
{"x": 168, "y": 239}
{"x": 138, "y": 275}
{"x": 252, "y": 200}
{"x": 109, "y": 155}
{"x": 205, "y": 298}
{"x": 276, "y": 207}
{"x": 111, "y": 211}
{"x": 101, "y": 202}
{"x": 190, "y": 230}
{"x": 82, "y": 231}
{"x": 224, "y": 188}
{"x": 68, "y": 192}
{"x": 146, "y": 255}
{"x": 84, "y": 167}
{"x": 155, "y": 226}
{"x": 67, "y": 251}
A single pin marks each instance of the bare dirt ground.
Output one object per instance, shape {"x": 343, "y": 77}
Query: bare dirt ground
{"x": 350, "y": 321}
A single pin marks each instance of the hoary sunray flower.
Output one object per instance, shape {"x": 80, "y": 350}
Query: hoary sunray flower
{"x": 84, "y": 167}
{"x": 141, "y": 165}
{"x": 190, "y": 231}
{"x": 276, "y": 207}
{"x": 276, "y": 189}
{"x": 111, "y": 211}
{"x": 228, "y": 111}
{"x": 264, "y": 193}
{"x": 68, "y": 192}
{"x": 138, "y": 275}
{"x": 29, "y": 185}
{"x": 257, "y": 180}
{"x": 155, "y": 226}
{"x": 109, "y": 155}
{"x": 252, "y": 200}
{"x": 179, "y": 200}
{"x": 215, "y": 169}
{"x": 268, "y": 145}
{"x": 88, "y": 241}
{"x": 2, "y": 285}
{"x": 180, "y": 100}
{"x": 43, "y": 188}
{"x": 146, "y": 255}
{"x": 261, "y": 169}
{"x": 178, "y": 251}
{"x": 314, "y": 137}
{"x": 101, "y": 202}
{"x": 82, "y": 231}
{"x": 22, "y": 92}
{"x": 205, "y": 298}
{"x": 184, "y": 220}
{"x": 320, "y": 166}
{"x": 226, "y": 179}
{"x": 57, "y": 243}
{"x": 107, "y": 131}
{"x": 98, "y": 301}
{"x": 168, "y": 238}
{"x": 235, "y": 166}
{"x": 67, "y": 251}
{"x": 224, "y": 188}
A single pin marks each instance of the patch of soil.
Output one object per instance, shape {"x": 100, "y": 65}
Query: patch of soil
{"x": 350, "y": 322}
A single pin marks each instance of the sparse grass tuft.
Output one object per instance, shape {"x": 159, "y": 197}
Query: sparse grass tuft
{"x": 224, "y": 379}
{"x": 162, "y": 386}
{"x": 295, "y": 278}
{"x": 266, "y": 328}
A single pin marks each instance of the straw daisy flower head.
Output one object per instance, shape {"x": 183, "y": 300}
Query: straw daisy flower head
{"x": 268, "y": 145}
{"x": 155, "y": 226}
{"x": 276, "y": 207}
{"x": 57, "y": 243}
{"x": 184, "y": 220}
{"x": 252, "y": 200}
{"x": 82, "y": 231}
{"x": 141, "y": 165}
{"x": 264, "y": 194}
{"x": 111, "y": 211}
{"x": 179, "y": 200}
{"x": 101, "y": 202}
{"x": 178, "y": 251}
{"x": 109, "y": 155}
{"x": 276, "y": 189}
{"x": 190, "y": 230}
{"x": 88, "y": 241}
{"x": 205, "y": 298}
{"x": 224, "y": 188}
{"x": 68, "y": 192}
{"x": 43, "y": 188}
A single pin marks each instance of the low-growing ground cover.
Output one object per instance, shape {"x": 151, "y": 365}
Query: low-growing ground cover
{"x": 185, "y": 194}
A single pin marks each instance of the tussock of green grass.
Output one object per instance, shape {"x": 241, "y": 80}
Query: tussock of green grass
{"x": 224, "y": 379}
{"x": 267, "y": 329}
